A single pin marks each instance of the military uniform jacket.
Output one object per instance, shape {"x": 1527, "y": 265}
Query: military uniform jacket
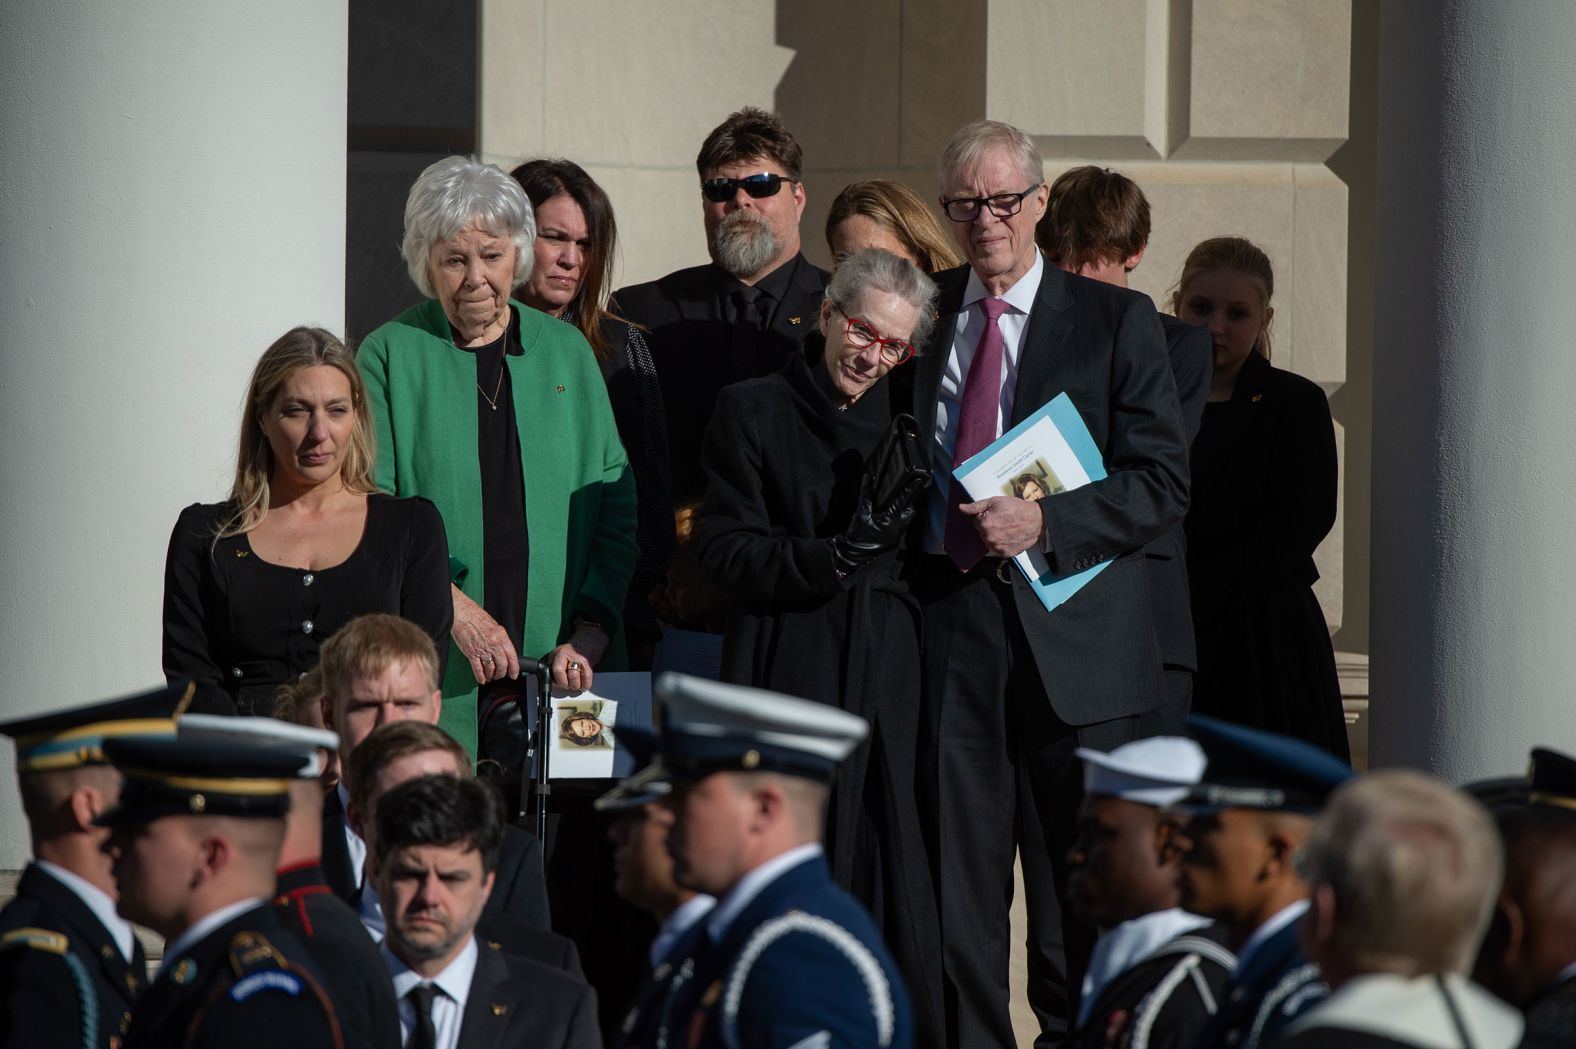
{"x": 639, "y": 1027}
{"x": 1551, "y": 1018}
{"x": 1385, "y": 1011}
{"x": 800, "y": 966}
{"x": 249, "y": 983}
{"x": 1165, "y": 999}
{"x": 63, "y": 980}
{"x": 345, "y": 955}
{"x": 1275, "y": 986}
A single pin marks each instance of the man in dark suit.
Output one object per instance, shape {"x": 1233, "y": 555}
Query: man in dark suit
{"x": 786, "y": 958}
{"x": 70, "y": 967}
{"x": 1016, "y": 688}
{"x": 1528, "y": 957}
{"x": 194, "y": 843}
{"x": 748, "y": 311}
{"x": 375, "y": 673}
{"x": 1096, "y": 225}
{"x": 346, "y": 956}
{"x": 401, "y": 751}
{"x": 1248, "y": 821}
{"x": 433, "y": 860}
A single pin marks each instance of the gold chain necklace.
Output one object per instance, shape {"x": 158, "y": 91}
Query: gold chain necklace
{"x": 492, "y": 402}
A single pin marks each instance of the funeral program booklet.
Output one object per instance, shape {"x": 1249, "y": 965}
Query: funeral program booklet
{"x": 1049, "y": 452}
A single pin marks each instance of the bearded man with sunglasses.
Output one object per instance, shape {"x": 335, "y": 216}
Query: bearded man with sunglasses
{"x": 1014, "y": 688}
{"x": 748, "y": 311}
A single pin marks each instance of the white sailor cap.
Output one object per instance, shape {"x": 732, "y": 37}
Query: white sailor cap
{"x": 271, "y": 734}
{"x": 1156, "y": 771}
{"x": 707, "y": 726}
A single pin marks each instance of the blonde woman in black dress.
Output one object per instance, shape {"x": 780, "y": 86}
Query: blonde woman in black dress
{"x": 303, "y": 544}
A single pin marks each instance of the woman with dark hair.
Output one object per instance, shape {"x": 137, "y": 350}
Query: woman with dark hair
{"x": 1263, "y": 498}
{"x": 1030, "y": 487}
{"x": 305, "y": 542}
{"x": 571, "y": 279}
{"x": 797, "y": 532}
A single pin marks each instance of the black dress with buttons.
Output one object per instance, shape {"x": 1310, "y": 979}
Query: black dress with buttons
{"x": 240, "y": 626}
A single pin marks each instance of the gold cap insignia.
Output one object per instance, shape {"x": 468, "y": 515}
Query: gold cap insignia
{"x": 751, "y": 759}
{"x": 198, "y": 803}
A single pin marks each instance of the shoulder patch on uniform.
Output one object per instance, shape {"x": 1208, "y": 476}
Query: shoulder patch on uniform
{"x": 250, "y": 952}
{"x": 37, "y": 939}
{"x": 271, "y": 980}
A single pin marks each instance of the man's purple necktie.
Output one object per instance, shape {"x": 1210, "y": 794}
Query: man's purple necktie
{"x": 976, "y": 429}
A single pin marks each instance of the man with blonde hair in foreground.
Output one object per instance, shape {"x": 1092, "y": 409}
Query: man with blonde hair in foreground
{"x": 1403, "y": 873}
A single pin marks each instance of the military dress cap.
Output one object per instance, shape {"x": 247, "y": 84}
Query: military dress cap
{"x": 188, "y": 778}
{"x": 68, "y": 739}
{"x": 707, "y": 726}
{"x": 1498, "y": 792}
{"x": 1157, "y": 771}
{"x": 1552, "y": 778}
{"x": 282, "y": 737}
{"x": 1252, "y": 769}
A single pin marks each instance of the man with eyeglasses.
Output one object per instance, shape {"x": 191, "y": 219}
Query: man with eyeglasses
{"x": 1019, "y": 688}
{"x": 746, "y": 312}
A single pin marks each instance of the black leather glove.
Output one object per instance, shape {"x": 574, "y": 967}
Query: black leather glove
{"x": 870, "y": 533}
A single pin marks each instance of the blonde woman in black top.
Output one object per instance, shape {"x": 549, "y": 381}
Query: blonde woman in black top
{"x": 304, "y": 543}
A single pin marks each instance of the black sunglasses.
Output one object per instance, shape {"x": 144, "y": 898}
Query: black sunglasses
{"x": 719, "y": 190}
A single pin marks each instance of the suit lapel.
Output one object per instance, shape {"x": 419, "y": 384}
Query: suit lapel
{"x": 796, "y": 314}
{"x": 338, "y": 871}
{"x": 489, "y": 1003}
{"x": 1044, "y": 343}
{"x": 932, "y": 364}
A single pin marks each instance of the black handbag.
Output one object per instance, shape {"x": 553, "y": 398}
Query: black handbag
{"x": 897, "y": 468}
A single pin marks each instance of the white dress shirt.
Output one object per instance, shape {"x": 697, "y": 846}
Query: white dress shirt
{"x": 96, "y": 900}
{"x": 751, "y": 885}
{"x": 1123, "y": 946}
{"x": 203, "y": 926}
{"x": 370, "y": 910}
{"x": 448, "y": 1005}
{"x": 1282, "y": 918}
{"x": 678, "y": 923}
{"x": 970, "y": 324}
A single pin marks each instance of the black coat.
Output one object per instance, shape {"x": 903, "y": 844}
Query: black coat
{"x": 1264, "y": 496}
{"x": 1551, "y": 1018}
{"x": 248, "y": 983}
{"x": 785, "y": 468}
{"x": 1098, "y": 655}
{"x": 695, "y": 352}
{"x": 352, "y": 969}
{"x": 1165, "y": 999}
{"x": 63, "y": 980}
{"x": 514, "y": 1002}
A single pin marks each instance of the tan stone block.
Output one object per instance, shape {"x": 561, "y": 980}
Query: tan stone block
{"x": 943, "y": 76}
{"x": 1057, "y": 70}
{"x": 1270, "y": 79}
{"x": 509, "y": 100}
{"x": 627, "y": 81}
{"x": 840, "y": 93}
{"x": 1317, "y": 288}
{"x": 659, "y": 220}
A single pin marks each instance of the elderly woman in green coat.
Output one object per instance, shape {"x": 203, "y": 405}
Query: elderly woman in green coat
{"x": 498, "y": 414}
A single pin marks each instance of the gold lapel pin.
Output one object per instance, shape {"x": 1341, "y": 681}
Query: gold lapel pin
{"x": 1257, "y": 398}
{"x": 499, "y": 1009}
{"x": 560, "y": 387}
{"x": 793, "y": 320}
{"x": 240, "y": 553}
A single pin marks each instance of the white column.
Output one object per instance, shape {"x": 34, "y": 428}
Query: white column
{"x": 172, "y": 199}
{"x": 1474, "y": 481}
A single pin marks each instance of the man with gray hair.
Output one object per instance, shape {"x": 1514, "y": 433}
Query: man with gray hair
{"x": 1020, "y": 687}
{"x": 1403, "y": 873}
{"x": 748, "y": 311}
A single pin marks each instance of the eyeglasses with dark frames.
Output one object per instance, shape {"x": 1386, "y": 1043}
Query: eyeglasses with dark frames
{"x": 863, "y": 335}
{"x": 1002, "y": 205}
{"x": 766, "y": 184}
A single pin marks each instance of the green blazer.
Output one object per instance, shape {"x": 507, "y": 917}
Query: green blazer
{"x": 579, "y": 491}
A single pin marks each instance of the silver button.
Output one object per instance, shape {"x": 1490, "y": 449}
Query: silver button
{"x": 235, "y": 671}
{"x": 306, "y": 580}
{"x": 306, "y": 627}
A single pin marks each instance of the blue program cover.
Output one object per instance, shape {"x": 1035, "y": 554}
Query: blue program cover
{"x": 1053, "y": 450}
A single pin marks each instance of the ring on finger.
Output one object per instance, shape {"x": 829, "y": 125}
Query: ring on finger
{"x": 575, "y": 666}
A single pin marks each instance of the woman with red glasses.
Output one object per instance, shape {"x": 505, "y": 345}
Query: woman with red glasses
{"x": 800, "y": 527}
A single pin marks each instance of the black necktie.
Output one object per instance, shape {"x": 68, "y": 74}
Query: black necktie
{"x": 747, "y": 312}
{"x": 423, "y": 1035}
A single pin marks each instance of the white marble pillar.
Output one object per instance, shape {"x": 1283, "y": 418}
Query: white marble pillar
{"x": 1474, "y": 480}
{"x": 172, "y": 198}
